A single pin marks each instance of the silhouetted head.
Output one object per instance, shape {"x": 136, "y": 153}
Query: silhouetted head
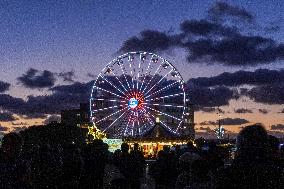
{"x": 11, "y": 145}
{"x": 186, "y": 160}
{"x": 136, "y": 146}
{"x": 252, "y": 141}
{"x": 124, "y": 148}
{"x": 166, "y": 149}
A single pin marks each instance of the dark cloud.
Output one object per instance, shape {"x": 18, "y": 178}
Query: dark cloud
{"x": 209, "y": 109}
{"x": 62, "y": 97}
{"x": 239, "y": 50}
{"x": 91, "y": 75}
{"x": 67, "y": 76}
{"x": 18, "y": 129}
{"x": 35, "y": 115}
{"x": 7, "y": 116}
{"x": 210, "y": 97}
{"x": 277, "y": 127}
{"x": 221, "y": 10}
{"x": 208, "y": 123}
{"x": 37, "y": 79}
{"x": 2, "y": 128}
{"x": 267, "y": 94}
{"x": 206, "y": 28}
{"x": 226, "y": 121}
{"x": 11, "y": 103}
{"x": 257, "y": 77}
{"x": 263, "y": 111}
{"x": 52, "y": 118}
{"x": 4, "y": 86}
{"x": 233, "y": 121}
{"x": 152, "y": 41}
{"x": 207, "y": 129}
{"x": 243, "y": 111}
{"x": 212, "y": 42}
{"x": 21, "y": 123}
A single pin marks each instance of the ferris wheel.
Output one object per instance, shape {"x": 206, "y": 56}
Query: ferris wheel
{"x": 135, "y": 92}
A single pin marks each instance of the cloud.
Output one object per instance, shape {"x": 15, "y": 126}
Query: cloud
{"x": 7, "y": 116}
{"x": 233, "y": 121}
{"x": 62, "y": 97}
{"x": 222, "y": 10}
{"x": 35, "y": 115}
{"x": 210, "y": 97}
{"x": 149, "y": 40}
{"x": 209, "y": 109}
{"x": 277, "y": 127}
{"x": 52, "y": 118}
{"x": 226, "y": 121}
{"x": 21, "y": 123}
{"x": 263, "y": 111}
{"x": 242, "y": 111}
{"x": 213, "y": 42}
{"x": 91, "y": 75}
{"x": 2, "y": 128}
{"x": 207, "y": 129}
{"x": 208, "y": 123}
{"x": 18, "y": 129}
{"x": 257, "y": 77}
{"x": 235, "y": 51}
{"x": 37, "y": 79}
{"x": 67, "y": 76}
{"x": 267, "y": 94}
{"x": 206, "y": 28}
{"x": 281, "y": 111}
{"x": 4, "y": 86}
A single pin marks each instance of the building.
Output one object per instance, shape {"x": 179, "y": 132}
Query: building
{"x": 76, "y": 117}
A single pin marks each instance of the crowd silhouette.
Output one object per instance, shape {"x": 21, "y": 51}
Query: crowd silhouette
{"x": 56, "y": 156}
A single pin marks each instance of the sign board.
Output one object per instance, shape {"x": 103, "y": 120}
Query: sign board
{"x": 113, "y": 144}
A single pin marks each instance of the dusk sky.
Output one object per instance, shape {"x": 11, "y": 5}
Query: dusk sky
{"x": 50, "y": 51}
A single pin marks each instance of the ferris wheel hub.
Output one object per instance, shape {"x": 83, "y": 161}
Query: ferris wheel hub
{"x": 133, "y": 103}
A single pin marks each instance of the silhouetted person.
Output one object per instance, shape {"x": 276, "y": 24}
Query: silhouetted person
{"x": 95, "y": 157}
{"x": 13, "y": 173}
{"x": 136, "y": 167}
{"x": 165, "y": 169}
{"x": 185, "y": 162}
{"x": 252, "y": 167}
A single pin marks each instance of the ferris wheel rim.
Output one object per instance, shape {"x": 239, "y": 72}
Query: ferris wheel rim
{"x": 94, "y": 87}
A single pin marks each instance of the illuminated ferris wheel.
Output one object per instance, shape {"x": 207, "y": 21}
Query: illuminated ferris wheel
{"x": 136, "y": 91}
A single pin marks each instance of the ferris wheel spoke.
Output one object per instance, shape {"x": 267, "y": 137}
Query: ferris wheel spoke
{"x": 120, "y": 82}
{"x": 178, "y": 126}
{"x": 145, "y": 76}
{"x": 110, "y": 107}
{"x": 126, "y": 128}
{"x": 110, "y": 92}
{"x": 131, "y": 72}
{"x": 138, "y": 75}
{"x": 151, "y": 78}
{"x": 163, "y": 113}
{"x": 158, "y": 82}
{"x": 165, "y": 125}
{"x": 166, "y": 87}
{"x": 109, "y": 100}
{"x": 111, "y": 84}
{"x": 124, "y": 75}
{"x": 114, "y": 121}
{"x": 132, "y": 129}
{"x": 162, "y": 97}
{"x": 165, "y": 105}
{"x": 109, "y": 115}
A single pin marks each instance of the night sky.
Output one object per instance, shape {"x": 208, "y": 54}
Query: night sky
{"x": 51, "y": 51}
